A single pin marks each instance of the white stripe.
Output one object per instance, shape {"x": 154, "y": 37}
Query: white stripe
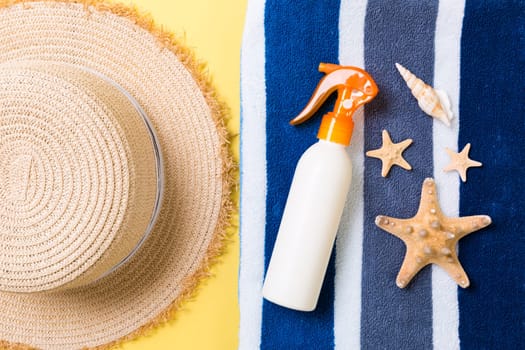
{"x": 446, "y": 77}
{"x": 347, "y": 304}
{"x": 253, "y": 176}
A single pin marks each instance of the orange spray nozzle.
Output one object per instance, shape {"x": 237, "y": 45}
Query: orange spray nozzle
{"x": 354, "y": 86}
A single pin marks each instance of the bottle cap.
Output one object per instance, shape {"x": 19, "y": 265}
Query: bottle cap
{"x": 354, "y": 86}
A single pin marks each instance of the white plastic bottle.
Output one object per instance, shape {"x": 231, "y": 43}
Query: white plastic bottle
{"x": 317, "y": 195}
{"x": 309, "y": 226}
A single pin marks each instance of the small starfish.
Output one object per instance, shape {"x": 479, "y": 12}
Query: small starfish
{"x": 391, "y": 154}
{"x": 461, "y": 162}
{"x": 431, "y": 237}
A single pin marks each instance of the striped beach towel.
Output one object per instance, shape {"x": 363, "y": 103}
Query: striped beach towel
{"x": 475, "y": 51}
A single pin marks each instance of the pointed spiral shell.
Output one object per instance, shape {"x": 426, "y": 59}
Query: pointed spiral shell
{"x": 433, "y": 102}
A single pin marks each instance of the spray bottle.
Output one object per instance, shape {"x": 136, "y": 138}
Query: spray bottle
{"x": 318, "y": 192}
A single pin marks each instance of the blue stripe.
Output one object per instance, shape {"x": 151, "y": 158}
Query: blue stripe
{"x": 299, "y": 35}
{"x": 403, "y": 32}
{"x": 492, "y": 112}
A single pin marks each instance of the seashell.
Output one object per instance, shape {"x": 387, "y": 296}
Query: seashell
{"x": 433, "y": 102}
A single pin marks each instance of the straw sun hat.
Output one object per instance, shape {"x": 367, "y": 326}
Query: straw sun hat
{"x": 114, "y": 174}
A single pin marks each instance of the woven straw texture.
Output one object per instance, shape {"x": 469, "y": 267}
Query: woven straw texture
{"x": 79, "y": 177}
{"x": 52, "y": 156}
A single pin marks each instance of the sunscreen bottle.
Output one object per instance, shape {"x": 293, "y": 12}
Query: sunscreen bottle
{"x": 318, "y": 192}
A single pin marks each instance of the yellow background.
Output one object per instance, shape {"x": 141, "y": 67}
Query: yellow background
{"x": 213, "y": 29}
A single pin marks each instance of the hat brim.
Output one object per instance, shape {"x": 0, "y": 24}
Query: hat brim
{"x": 189, "y": 121}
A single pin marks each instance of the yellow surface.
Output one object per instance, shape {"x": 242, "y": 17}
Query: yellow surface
{"x": 213, "y": 29}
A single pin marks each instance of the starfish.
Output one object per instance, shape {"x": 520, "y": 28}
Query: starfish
{"x": 391, "y": 154}
{"x": 461, "y": 162}
{"x": 431, "y": 237}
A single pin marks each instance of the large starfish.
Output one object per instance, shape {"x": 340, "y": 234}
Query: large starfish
{"x": 461, "y": 162}
{"x": 431, "y": 237}
{"x": 391, "y": 154}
